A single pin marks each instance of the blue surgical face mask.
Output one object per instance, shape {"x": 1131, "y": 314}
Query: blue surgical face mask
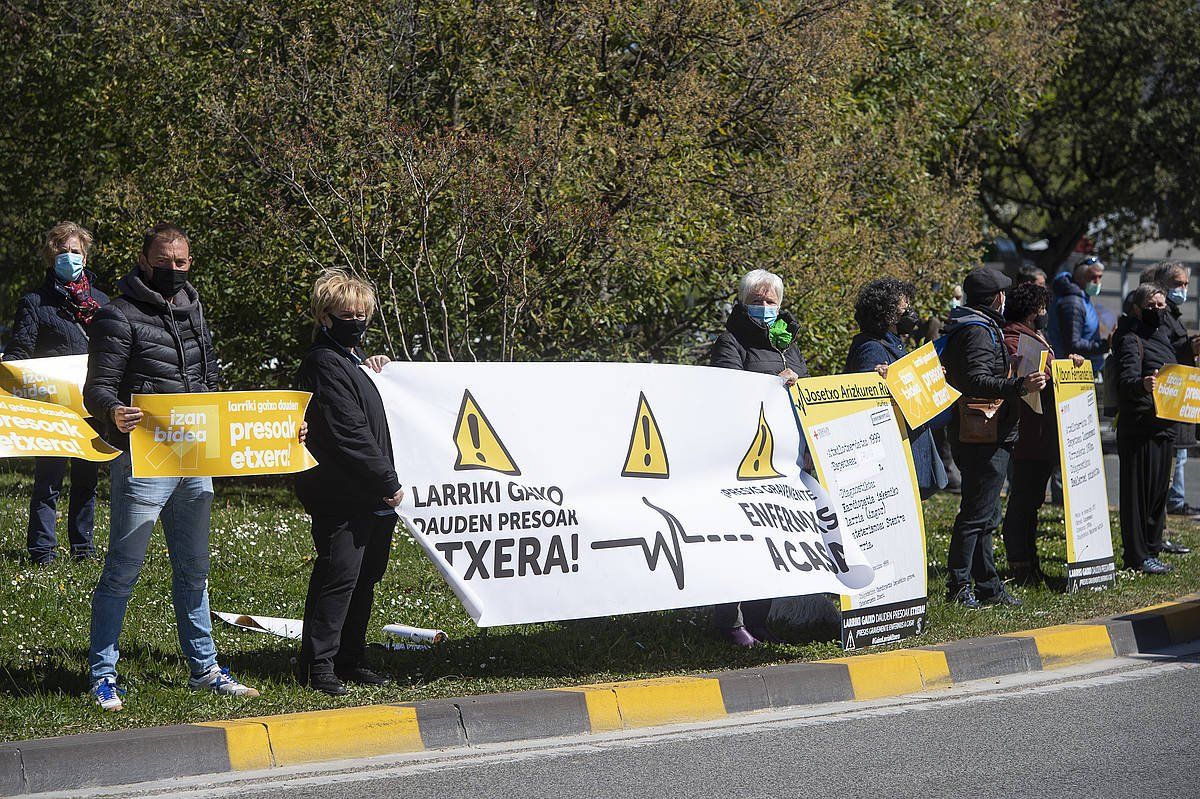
{"x": 1177, "y": 295}
{"x": 955, "y": 302}
{"x": 68, "y": 266}
{"x": 1092, "y": 289}
{"x": 763, "y": 314}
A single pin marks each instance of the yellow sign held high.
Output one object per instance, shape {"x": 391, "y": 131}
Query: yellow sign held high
{"x": 647, "y": 457}
{"x": 58, "y": 381}
{"x": 478, "y": 445}
{"x": 918, "y": 386}
{"x": 219, "y": 434}
{"x": 757, "y": 464}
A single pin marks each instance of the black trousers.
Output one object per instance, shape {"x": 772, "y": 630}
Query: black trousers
{"x": 742, "y": 614}
{"x": 1145, "y": 463}
{"x": 352, "y": 555}
{"x": 971, "y": 555}
{"x": 1026, "y": 495}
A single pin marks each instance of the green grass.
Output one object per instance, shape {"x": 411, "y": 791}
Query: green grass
{"x": 261, "y": 560}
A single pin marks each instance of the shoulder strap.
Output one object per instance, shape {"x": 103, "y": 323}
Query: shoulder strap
{"x": 939, "y": 344}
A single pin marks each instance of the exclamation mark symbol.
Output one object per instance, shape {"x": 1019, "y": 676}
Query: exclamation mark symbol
{"x": 646, "y": 438}
{"x": 762, "y": 443}
{"x": 575, "y": 552}
{"x": 645, "y": 455}
{"x": 473, "y": 428}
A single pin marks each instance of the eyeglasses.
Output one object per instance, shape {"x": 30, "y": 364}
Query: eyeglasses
{"x": 1091, "y": 260}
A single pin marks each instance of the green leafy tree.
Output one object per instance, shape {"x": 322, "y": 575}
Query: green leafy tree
{"x": 1111, "y": 151}
{"x": 520, "y": 180}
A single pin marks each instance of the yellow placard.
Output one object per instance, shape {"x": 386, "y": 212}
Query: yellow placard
{"x": 1045, "y": 356}
{"x": 29, "y": 428}
{"x": 58, "y": 381}
{"x": 219, "y": 434}
{"x": 1177, "y": 393}
{"x": 919, "y": 386}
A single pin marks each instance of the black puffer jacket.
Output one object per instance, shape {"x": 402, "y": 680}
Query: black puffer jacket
{"x": 45, "y": 327}
{"x": 1140, "y": 350}
{"x": 745, "y": 345}
{"x": 977, "y": 364}
{"x": 347, "y": 434}
{"x": 141, "y": 344}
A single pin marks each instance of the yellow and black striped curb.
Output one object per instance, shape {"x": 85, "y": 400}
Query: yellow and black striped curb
{"x": 68, "y": 763}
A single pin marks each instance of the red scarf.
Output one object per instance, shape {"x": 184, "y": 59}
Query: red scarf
{"x": 80, "y": 301}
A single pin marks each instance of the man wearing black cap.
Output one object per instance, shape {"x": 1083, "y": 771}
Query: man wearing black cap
{"x": 982, "y": 433}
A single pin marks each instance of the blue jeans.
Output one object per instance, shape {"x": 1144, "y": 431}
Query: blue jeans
{"x": 184, "y": 505}
{"x": 1176, "y": 496}
{"x": 48, "y": 474}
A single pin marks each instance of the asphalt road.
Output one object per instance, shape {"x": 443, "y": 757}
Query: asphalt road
{"x": 1127, "y": 728}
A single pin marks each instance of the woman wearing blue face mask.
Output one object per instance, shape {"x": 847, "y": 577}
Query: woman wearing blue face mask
{"x": 53, "y": 321}
{"x": 758, "y": 337}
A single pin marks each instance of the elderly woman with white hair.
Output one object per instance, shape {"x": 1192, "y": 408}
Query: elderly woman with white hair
{"x": 759, "y": 337}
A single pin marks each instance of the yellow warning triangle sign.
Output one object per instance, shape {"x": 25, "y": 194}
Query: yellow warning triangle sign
{"x": 478, "y": 445}
{"x": 756, "y": 464}
{"x": 647, "y": 457}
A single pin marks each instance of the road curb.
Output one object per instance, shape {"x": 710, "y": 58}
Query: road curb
{"x": 129, "y": 756}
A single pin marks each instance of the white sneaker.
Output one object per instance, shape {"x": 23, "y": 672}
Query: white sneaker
{"x": 219, "y": 680}
{"x": 107, "y": 694}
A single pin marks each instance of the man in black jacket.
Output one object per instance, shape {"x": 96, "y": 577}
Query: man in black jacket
{"x": 152, "y": 339}
{"x": 1173, "y": 278}
{"x": 977, "y": 364}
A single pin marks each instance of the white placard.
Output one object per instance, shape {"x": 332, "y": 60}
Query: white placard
{"x": 865, "y": 463}
{"x": 1090, "y": 562}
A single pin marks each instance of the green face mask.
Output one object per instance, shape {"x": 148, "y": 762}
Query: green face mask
{"x": 1092, "y": 289}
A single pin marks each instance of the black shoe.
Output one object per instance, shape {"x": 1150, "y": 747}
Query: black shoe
{"x": 327, "y": 683}
{"x": 964, "y": 596}
{"x": 359, "y": 676}
{"x": 1171, "y": 548}
{"x": 1185, "y": 510}
{"x": 1026, "y": 575}
{"x": 1002, "y": 598}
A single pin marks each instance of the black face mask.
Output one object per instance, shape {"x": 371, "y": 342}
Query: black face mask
{"x": 907, "y": 322}
{"x": 347, "y": 332}
{"x": 1040, "y": 322}
{"x": 1152, "y": 317}
{"x": 167, "y": 281}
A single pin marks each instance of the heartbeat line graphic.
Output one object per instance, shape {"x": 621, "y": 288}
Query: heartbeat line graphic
{"x": 671, "y": 551}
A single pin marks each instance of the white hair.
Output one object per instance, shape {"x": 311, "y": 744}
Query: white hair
{"x": 756, "y": 279}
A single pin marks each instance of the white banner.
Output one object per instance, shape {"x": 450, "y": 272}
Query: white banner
{"x": 548, "y": 491}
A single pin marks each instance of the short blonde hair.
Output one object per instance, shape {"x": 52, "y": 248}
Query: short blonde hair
{"x": 58, "y": 235}
{"x": 337, "y": 288}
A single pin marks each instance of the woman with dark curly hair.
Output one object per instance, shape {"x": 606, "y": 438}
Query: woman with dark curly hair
{"x": 1035, "y": 456}
{"x": 884, "y": 312}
